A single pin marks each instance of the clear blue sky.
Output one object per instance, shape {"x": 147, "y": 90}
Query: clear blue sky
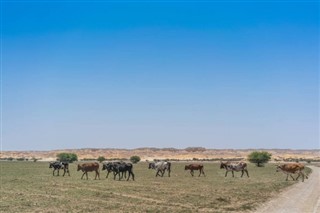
{"x": 234, "y": 74}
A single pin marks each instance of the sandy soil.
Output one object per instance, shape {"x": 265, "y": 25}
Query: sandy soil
{"x": 303, "y": 197}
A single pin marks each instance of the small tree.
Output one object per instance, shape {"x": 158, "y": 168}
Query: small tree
{"x": 135, "y": 159}
{"x": 67, "y": 157}
{"x": 101, "y": 158}
{"x": 259, "y": 158}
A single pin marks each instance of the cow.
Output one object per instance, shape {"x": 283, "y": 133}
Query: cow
{"x": 234, "y": 166}
{"x": 89, "y": 167}
{"x": 292, "y": 168}
{"x": 57, "y": 165}
{"x": 109, "y": 166}
{"x": 195, "y": 166}
{"x": 122, "y": 168}
{"x": 161, "y": 167}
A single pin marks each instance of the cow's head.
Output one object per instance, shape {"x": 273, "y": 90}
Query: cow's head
{"x": 50, "y": 165}
{"x": 278, "y": 168}
{"x": 222, "y": 165}
{"x": 104, "y": 166}
{"x": 186, "y": 167}
{"x": 151, "y": 165}
{"x": 79, "y": 167}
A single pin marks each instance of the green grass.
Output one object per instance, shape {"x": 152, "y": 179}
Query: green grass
{"x": 30, "y": 187}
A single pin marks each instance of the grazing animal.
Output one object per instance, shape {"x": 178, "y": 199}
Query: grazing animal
{"x": 234, "y": 166}
{"x": 89, "y": 167}
{"x": 109, "y": 166}
{"x": 57, "y": 165}
{"x": 292, "y": 168}
{"x": 161, "y": 167}
{"x": 193, "y": 167}
{"x": 118, "y": 168}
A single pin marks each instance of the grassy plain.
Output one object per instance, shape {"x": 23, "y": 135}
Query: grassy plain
{"x": 30, "y": 187}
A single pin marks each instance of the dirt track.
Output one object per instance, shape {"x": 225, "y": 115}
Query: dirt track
{"x": 303, "y": 197}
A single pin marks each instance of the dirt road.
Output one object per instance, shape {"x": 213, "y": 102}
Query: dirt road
{"x": 303, "y": 197}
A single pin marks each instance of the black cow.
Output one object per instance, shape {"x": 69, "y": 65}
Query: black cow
{"x": 57, "y": 165}
{"x": 118, "y": 168}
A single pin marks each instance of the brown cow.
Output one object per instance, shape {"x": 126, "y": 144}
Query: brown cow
{"x": 195, "y": 166}
{"x": 89, "y": 167}
{"x": 292, "y": 168}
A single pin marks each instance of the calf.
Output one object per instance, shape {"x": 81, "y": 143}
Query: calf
{"x": 110, "y": 168}
{"x": 89, "y": 167}
{"x": 161, "y": 167}
{"x": 195, "y": 166}
{"x": 122, "y": 167}
{"x": 57, "y": 165}
{"x": 234, "y": 166}
{"x": 292, "y": 168}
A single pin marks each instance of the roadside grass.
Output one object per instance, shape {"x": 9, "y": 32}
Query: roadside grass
{"x": 30, "y": 187}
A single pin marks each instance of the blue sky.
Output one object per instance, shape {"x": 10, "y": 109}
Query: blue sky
{"x": 128, "y": 74}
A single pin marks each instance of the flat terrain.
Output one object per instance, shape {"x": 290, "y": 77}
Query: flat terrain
{"x": 30, "y": 187}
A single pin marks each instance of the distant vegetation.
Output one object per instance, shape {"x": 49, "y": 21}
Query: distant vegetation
{"x": 195, "y": 149}
{"x": 259, "y": 158}
{"x": 101, "y": 159}
{"x": 67, "y": 157}
{"x": 135, "y": 159}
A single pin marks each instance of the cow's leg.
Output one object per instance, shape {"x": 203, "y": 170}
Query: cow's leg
{"x": 107, "y": 174}
{"x": 232, "y": 173}
{"x": 203, "y": 172}
{"x": 87, "y": 175}
{"x": 293, "y": 177}
{"x": 82, "y": 175}
{"x": 98, "y": 174}
{"x": 53, "y": 172}
{"x": 302, "y": 174}
{"x": 287, "y": 177}
{"x": 64, "y": 172}
{"x": 58, "y": 172}
{"x": 191, "y": 172}
{"x": 242, "y": 172}
{"x": 169, "y": 171}
{"x": 226, "y": 173}
{"x": 247, "y": 172}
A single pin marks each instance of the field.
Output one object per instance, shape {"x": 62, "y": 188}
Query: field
{"x": 30, "y": 187}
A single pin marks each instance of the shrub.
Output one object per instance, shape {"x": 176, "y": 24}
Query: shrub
{"x": 135, "y": 159}
{"x": 67, "y": 157}
{"x": 259, "y": 158}
{"x": 101, "y": 158}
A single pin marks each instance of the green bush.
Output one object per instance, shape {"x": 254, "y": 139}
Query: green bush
{"x": 101, "y": 158}
{"x": 67, "y": 157}
{"x": 259, "y": 158}
{"x": 135, "y": 159}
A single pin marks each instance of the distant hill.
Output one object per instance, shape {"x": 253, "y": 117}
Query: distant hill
{"x": 149, "y": 153}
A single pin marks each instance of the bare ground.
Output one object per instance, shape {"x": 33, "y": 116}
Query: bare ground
{"x": 303, "y": 197}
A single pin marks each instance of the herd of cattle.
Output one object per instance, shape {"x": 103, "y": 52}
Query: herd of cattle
{"x": 121, "y": 169}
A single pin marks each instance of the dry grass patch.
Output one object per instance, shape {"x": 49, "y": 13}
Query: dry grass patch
{"x": 30, "y": 187}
